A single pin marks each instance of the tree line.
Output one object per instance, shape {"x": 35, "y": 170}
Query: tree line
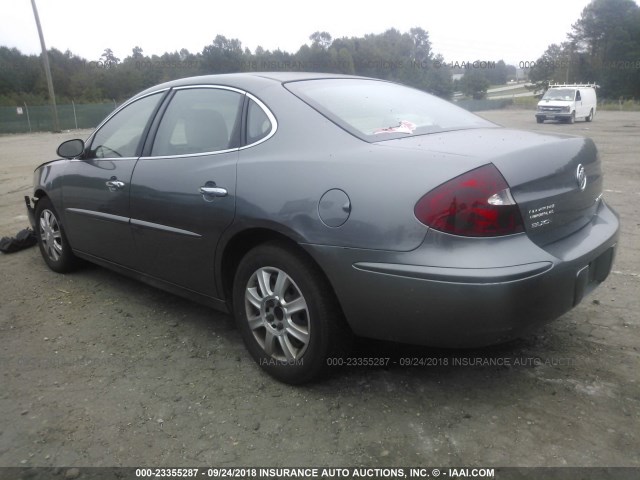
{"x": 405, "y": 57}
{"x": 603, "y": 47}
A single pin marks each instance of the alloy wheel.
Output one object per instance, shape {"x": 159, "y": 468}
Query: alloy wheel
{"x": 277, "y": 314}
{"x": 50, "y": 235}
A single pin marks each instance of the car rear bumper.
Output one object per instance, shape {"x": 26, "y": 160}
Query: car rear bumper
{"x": 463, "y": 292}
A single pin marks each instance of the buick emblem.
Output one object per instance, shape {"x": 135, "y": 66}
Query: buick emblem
{"x": 581, "y": 177}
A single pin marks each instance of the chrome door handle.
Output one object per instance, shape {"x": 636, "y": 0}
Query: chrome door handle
{"x": 213, "y": 191}
{"x": 114, "y": 184}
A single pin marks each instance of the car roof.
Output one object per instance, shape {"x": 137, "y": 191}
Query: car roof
{"x": 250, "y": 81}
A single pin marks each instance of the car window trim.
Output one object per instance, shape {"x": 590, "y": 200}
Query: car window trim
{"x": 270, "y": 116}
{"x": 146, "y": 152}
{"x": 212, "y": 152}
{"x": 151, "y": 137}
{"x": 260, "y": 103}
{"x": 185, "y": 155}
{"x": 145, "y": 132}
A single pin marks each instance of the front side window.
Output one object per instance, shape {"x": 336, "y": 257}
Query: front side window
{"x": 199, "y": 120}
{"x": 376, "y": 110}
{"x": 121, "y": 135}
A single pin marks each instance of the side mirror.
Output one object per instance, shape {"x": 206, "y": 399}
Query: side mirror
{"x": 71, "y": 148}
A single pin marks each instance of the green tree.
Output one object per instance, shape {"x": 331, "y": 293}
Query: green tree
{"x": 222, "y": 56}
{"x": 552, "y": 66}
{"x": 474, "y": 84}
{"x": 607, "y": 39}
{"x": 603, "y": 46}
{"x": 137, "y": 53}
{"x": 438, "y": 80}
{"x": 498, "y": 74}
{"x": 421, "y": 44}
{"x": 321, "y": 40}
{"x": 319, "y": 56}
{"x": 345, "y": 62}
{"x": 108, "y": 58}
{"x": 603, "y": 25}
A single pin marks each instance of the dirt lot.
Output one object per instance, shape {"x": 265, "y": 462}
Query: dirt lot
{"x": 98, "y": 370}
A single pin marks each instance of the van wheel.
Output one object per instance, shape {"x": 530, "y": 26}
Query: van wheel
{"x": 589, "y": 117}
{"x": 539, "y": 120}
{"x": 572, "y": 118}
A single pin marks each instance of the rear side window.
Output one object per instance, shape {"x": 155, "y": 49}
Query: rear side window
{"x": 120, "y": 136}
{"x": 199, "y": 120}
{"x": 377, "y": 110}
{"x": 258, "y": 123}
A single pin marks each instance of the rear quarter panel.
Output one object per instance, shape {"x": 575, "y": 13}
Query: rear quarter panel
{"x": 281, "y": 181}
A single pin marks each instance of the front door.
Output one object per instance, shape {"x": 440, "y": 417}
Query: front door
{"x": 95, "y": 195}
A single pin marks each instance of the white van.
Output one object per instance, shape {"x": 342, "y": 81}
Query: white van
{"x": 567, "y": 103}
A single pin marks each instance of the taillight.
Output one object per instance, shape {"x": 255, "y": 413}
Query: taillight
{"x": 475, "y": 204}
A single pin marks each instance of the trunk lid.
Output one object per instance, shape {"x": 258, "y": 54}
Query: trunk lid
{"x": 556, "y": 180}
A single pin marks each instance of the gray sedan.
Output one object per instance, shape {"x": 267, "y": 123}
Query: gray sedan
{"x": 315, "y": 207}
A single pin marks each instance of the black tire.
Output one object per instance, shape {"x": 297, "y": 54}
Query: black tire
{"x": 52, "y": 239}
{"x": 572, "y": 118}
{"x": 589, "y": 117}
{"x": 539, "y": 120}
{"x": 298, "y": 326}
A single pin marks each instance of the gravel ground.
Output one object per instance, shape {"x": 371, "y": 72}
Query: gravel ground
{"x": 98, "y": 370}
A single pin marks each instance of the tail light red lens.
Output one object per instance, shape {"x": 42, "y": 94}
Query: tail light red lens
{"x": 475, "y": 204}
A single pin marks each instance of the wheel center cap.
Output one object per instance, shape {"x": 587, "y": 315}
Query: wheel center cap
{"x": 274, "y": 314}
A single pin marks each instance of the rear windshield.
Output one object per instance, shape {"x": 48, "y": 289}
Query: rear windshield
{"x": 377, "y": 110}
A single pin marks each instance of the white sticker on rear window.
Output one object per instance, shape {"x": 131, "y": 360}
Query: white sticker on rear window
{"x": 405, "y": 126}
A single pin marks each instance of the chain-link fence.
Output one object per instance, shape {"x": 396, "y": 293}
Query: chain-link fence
{"x": 38, "y": 118}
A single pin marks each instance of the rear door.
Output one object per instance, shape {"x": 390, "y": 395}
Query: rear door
{"x": 183, "y": 189}
{"x": 96, "y": 191}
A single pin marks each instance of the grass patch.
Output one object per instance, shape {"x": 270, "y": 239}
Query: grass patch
{"x": 621, "y": 106}
{"x": 526, "y": 102}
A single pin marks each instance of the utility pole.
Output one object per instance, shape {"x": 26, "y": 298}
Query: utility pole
{"x": 47, "y": 70}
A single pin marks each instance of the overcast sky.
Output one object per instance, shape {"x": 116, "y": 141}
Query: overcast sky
{"x": 461, "y": 30}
